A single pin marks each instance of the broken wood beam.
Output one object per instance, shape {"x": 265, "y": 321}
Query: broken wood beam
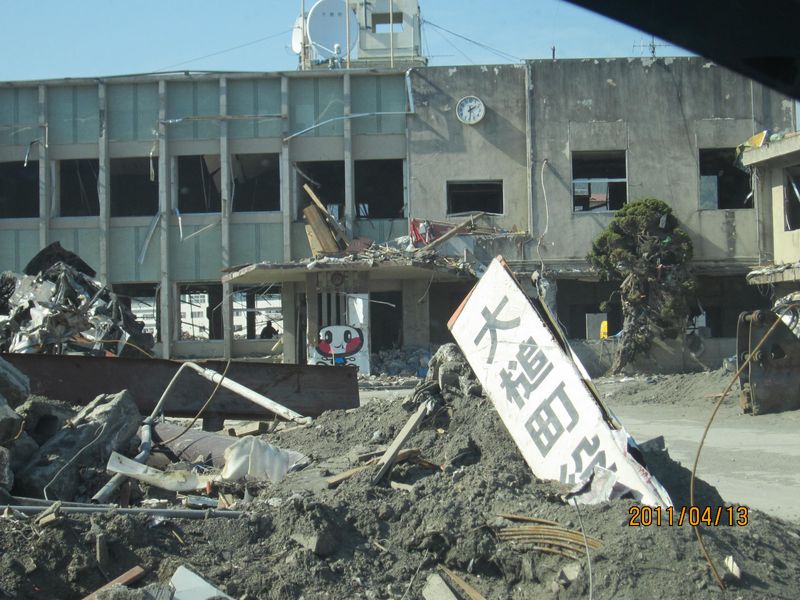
{"x": 128, "y": 577}
{"x": 452, "y": 232}
{"x": 389, "y": 457}
{"x": 320, "y": 238}
{"x": 335, "y": 480}
{"x": 460, "y": 583}
{"x": 338, "y": 230}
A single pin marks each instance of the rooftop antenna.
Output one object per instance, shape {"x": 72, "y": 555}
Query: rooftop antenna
{"x": 651, "y": 46}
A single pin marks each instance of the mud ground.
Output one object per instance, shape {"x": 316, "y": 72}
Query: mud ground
{"x": 299, "y": 539}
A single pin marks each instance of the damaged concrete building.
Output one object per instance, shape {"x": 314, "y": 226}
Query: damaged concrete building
{"x": 162, "y": 182}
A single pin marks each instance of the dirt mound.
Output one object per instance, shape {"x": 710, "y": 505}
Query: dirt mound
{"x": 300, "y": 539}
{"x": 677, "y": 389}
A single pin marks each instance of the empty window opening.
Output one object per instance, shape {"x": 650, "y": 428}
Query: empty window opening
{"x": 142, "y": 300}
{"x": 326, "y": 179}
{"x": 387, "y": 22}
{"x": 599, "y": 180}
{"x": 379, "y": 189}
{"x": 474, "y": 196}
{"x": 200, "y": 311}
{"x": 134, "y": 187}
{"x": 19, "y": 189}
{"x": 257, "y": 313}
{"x": 386, "y": 320}
{"x": 78, "y": 181}
{"x": 722, "y": 184}
{"x": 199, "y": 181}
{"x": 256, "y": 182}
{"x": 791, "y": 201}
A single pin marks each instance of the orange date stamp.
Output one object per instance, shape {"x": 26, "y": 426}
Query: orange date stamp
{"x": 694, "y": 516}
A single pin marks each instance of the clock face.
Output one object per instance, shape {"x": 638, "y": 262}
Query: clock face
{"x": 470, "y": 110}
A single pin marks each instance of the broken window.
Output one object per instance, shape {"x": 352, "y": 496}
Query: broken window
{"x": 19, "y": 189}
{"x": 599, "y": 180}
{"x": 722, "y": 184}
{"x": 387, "y": 22}
{"x": 379, "y": 189}
{"x": 199, "y": 181}
{"x": 326, "y": 179}
{"x": 78, "y": 181}
{"x": 134, "y": 187}
{"x": 791, "y": 201}
{"x": 200, "y": 311}
{"x": 474, "y": 196}
{"x": 142, "y": 300}
{"x": 257, "y": 313}
{"x": 256, "y": 182}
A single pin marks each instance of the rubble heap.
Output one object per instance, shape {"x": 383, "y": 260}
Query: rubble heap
{"x": 460, "y": 505}
{"x": 63, "y": 310}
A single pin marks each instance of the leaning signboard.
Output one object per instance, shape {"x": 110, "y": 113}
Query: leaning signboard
{"x": 530, "y": 374}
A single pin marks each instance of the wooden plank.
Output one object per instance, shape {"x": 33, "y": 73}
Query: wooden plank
{"x": 454, "y": 231}
{"x": 460, "y": 583}
{"x": 313, "y": 242}
{"x": 338, "y": 229}
{"x": 128, "y": 577}
{"x": 321, "y": 230}
{"x": 389, "y": 457}
{"x": 307, "y": 389}
{"x": 335, "y": 480}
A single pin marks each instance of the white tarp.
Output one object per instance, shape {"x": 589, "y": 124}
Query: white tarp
{"x": 538, "y": 389}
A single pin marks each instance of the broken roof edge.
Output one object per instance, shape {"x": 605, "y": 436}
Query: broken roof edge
{"x": 782, "y": 273}
{"x": 293, "y": 272}
{"x": 772, "y": 150}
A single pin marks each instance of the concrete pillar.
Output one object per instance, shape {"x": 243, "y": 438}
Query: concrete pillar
{"x": 416, "y": 313}
{"x": 349, "y": 193}
{"x": 44, "y": 171}
{"x": 289, "y": 310}
{"x": 312, "y": 311}
{"x": 287, "y": 206}
{"x": 165, "y": 212}
{"x": 225, "y": 192}
{"x": 103, "y": 183}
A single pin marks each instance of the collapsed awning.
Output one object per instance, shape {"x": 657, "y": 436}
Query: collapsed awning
{"x": 394, "y": 269}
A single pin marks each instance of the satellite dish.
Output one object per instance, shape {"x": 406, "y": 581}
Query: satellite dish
{"x": 297, "y": 35}
{"x": 327, "y": 27}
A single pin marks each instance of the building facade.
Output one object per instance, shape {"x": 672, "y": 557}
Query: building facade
{"x": 163, "y": 182}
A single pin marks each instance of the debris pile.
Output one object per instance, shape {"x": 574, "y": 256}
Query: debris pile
{"x": 428, "y": 497}
{"x": 409, "y": 362}
{"x": 64, "y": 311}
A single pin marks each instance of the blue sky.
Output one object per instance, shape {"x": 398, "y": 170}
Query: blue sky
{"x": 46, "y": 39}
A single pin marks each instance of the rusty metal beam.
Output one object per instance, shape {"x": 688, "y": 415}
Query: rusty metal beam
{"x": 307, "y": 389}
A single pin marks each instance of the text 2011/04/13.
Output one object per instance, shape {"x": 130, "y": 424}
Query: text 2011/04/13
{"x": 726, "y": 516}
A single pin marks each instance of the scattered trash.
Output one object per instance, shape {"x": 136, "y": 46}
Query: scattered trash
{"x": 188, "y": 585}
{"x": 62, "y": 310}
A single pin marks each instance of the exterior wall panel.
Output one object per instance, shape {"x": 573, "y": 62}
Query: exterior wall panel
{"x": 19, "y": 116}
{"x": 132, "y": 112}
{"x": 73, "y": 115}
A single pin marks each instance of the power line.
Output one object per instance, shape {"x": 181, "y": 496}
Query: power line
{"x": 495, "y": 51}
{"x": 456, "y": 48}
{"x": 259, "y": 40}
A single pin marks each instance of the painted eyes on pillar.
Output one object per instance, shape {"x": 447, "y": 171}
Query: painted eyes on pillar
{"x": 329, "y": 337}
{"x": 347, "y": 336}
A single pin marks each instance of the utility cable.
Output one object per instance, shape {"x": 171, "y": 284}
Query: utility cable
{"x": 708, "y": 426}
{"x": 72, "y": 460}
{"x": 202, "y": 409}
{"x": 546, "y": 217}
{"x": 231, "y": 49}
{"x": 495, "y": 51}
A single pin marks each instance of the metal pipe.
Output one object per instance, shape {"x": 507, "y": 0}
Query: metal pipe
{"x": 246, "y": 392}
{"x": 153, "y": 512}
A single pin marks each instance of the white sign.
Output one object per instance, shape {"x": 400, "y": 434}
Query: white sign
{"x": 539, "y": 390}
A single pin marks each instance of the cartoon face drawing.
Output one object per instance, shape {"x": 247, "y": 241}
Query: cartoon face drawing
{"x": 338, "y": 342}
